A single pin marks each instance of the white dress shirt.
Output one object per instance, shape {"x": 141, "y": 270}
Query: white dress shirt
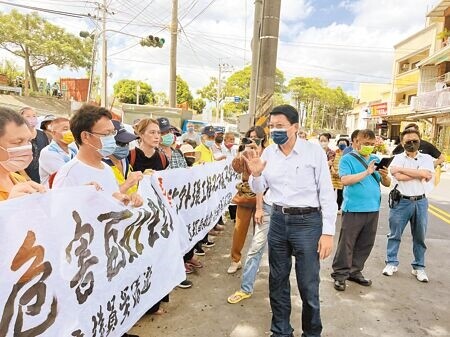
{"x": 301, "y": 179}
{"x": 414, "y": 187}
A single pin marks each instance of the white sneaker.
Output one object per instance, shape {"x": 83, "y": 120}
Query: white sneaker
{"x": 234, "y": 267}
{"x": 420, "y": 275}
{"x": 389, "y": 270}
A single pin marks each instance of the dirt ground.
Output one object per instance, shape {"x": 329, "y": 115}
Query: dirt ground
{"x": 396, "y": 306}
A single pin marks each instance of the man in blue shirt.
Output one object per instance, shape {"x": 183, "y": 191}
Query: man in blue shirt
{"x": 360, "y": 210}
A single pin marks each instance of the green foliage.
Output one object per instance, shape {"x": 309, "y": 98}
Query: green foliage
{"x": 327, "y": 105}
{"x": 198, "y": 104}
{"x": 161, "y": 99}
{"x": 42, "y": 44}
{"x": 209, "y": 91}
{"x": 11, "y": 71}
{"x": 183, "y": 92}
{"x": 126, "y": 91}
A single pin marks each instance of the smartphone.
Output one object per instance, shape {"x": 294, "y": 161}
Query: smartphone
{"x": 384, "y": 162}
{"x": 248, "y": 141}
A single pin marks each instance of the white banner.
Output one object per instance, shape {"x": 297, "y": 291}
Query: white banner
{"x": 75, "y": 262}
{"x": 200, "y": 197}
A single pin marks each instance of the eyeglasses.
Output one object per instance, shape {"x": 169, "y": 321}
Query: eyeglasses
{"x": 112, "y": 133}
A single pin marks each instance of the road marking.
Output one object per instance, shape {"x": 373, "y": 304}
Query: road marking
{"x": 439, "y": 213}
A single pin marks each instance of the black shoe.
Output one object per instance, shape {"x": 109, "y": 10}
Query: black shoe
{"x": 185, "y": 284}
{"x": 361, "y": 281}
{"x": 199, "y": 252}
{"x": 339, "y": 285}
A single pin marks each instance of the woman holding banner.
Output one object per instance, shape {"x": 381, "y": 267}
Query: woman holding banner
{"x": 15, "y": 155}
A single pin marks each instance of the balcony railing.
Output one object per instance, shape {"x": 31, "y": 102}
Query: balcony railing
{"x": 436, "y": 99}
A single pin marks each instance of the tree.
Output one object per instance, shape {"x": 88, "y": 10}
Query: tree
{"x": 183, "y": 92}
{"x": 12, "y": 72}
{"x": 238, "y": 84}
{"x": 198, "y": 104}
{"x": 42, "y": 44}
{"x": 209, "y": 91}
{"x": 161, "y": 98}
{"x": 126, "y": 92}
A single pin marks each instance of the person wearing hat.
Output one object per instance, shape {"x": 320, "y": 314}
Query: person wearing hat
{"x": 58, "y": 152}
{"x": 424, "y": 147}
{"x": 127, "y": 179}
{"x": 302, "y": 222}
{"x": 191, "y": 135}
{"x": 218, "y": 149}
{"x": 207, "y": 143}
{"x": 46, "y": 126}
{"x": 174, "y": 156}
{"x": 190, "y": 154}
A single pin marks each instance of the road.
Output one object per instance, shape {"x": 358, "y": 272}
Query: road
{"x": 397, "y": 306}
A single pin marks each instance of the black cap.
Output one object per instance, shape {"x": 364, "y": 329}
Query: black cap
{"x": 288, "y": 110}
{"x": 220, "y": 129}
{"x": 209, "y": 131}
{"x": 164, "y": 124}
{"x": 123, "y": 136}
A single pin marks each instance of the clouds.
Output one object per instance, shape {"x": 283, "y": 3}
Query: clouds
{"x": 342, "y": 41}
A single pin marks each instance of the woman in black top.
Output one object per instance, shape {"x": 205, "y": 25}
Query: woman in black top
{"x": 147, "y": 155}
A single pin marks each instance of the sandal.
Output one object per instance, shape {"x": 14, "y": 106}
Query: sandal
{"x": 238, "y": 296}
{"x": 160, "y": 311}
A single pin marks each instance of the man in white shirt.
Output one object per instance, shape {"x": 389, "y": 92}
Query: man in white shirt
{"x": 191, "y": 135}
{"x": 58, "y": 152}
{"x": 303, "y": 218}
{"x": 412, "y": 173}
{"x": 94, "y": 133}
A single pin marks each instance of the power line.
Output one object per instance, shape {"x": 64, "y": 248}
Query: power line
{"x": 201, "y": 12}
{"x": 46, "y": 10}
{"x": 135, "y": 17}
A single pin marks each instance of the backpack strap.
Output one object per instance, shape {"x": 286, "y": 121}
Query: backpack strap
{"x": 163, "y": 158}
{"x": 364, "y": 164}
{"x": 132, "y": 157}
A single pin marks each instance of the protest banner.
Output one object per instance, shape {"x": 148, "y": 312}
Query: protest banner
{"x": 76, "y": 262}
{"x": 199, "y": 197}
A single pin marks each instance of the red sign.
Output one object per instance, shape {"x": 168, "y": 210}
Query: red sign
{"x": 377, "y": 110}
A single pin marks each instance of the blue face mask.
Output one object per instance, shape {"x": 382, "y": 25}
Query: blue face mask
{"x": 279, "y": 136}
{"x": 209, "y": 143}
{"x": 121, "y": 152}
{"x": 108, "y": 146}
{"x": 167, "y": 140}
{"x": 342, "y": 146}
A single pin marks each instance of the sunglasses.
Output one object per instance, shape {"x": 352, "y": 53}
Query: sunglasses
{"x": 414, "y": 142}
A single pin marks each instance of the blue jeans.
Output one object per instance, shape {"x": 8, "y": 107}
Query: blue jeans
{"x": 294, "y": 235}
{"x": 415, "y": 212}
{"x": 255, "y": 252}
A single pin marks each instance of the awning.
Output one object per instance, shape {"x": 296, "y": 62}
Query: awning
{"x": 442, "y": 55}
{"x": 438, "y": 11}
{"x": 435, "y": 113}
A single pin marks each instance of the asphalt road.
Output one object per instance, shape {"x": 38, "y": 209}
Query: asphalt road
{"x": 397, "y": 306}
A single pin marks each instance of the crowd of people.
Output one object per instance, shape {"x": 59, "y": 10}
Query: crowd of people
{"x": 292, "y": 191}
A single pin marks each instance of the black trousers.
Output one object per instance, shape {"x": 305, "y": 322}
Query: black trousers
{"x": 189, "y": 255}
{"x": 232, "y": 210}
{"x": 340, "y": 197}
{"x": 356, "y": 240}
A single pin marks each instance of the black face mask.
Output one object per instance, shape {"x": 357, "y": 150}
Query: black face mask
{"x": 411, "y": 147}
{"x": 190, "y": 161}
{"x": 219, "y": 139}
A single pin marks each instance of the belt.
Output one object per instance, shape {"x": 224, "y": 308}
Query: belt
{"x": 414, "y": 198}
{"x": 295, "y": 210}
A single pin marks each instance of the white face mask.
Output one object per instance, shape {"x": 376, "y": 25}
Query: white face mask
{"x": 19, "y": 158}
{"x": 324, "y": 145}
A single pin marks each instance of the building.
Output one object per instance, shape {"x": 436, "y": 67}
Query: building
{"x": 433, "y": 99}
{"x": 370, "y": 109}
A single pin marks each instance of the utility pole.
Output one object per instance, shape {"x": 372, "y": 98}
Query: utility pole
{"x": 223, "y": 68}
{"x": 256, "y": 54}
{"x": 173, "y": 56}
{"x": 138, "y": 88}
{"x": 268, "y": 59}
{"x": 92, "y": 74}
{"x": 104, "y": 90}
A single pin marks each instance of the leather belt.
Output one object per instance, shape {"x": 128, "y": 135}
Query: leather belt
{"x": 414, "y": 198}
{"x": 295, "y": 210}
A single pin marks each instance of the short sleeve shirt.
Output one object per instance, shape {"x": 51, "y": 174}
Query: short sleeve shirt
{"x": 365, "y": 195}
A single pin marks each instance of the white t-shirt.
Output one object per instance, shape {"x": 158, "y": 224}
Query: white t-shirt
{"x": 51, "y": 159}
{"x": 77, "y": 173}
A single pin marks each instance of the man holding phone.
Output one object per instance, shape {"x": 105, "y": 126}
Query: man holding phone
{"x": 360, "y": 210}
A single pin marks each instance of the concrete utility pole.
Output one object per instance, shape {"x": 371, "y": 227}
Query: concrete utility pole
{"x": 92, "y": 74}
{"x": 173, "y": 56}
{"x": 104, "y": 90}
{"x": 138, "y": 88}
{"x": 256, "y": 54}
{"x": 223, "y": 68}
{"x": 268, "y": 57}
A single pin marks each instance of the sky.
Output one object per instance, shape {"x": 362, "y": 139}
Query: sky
{"x": 344, "y": 42}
